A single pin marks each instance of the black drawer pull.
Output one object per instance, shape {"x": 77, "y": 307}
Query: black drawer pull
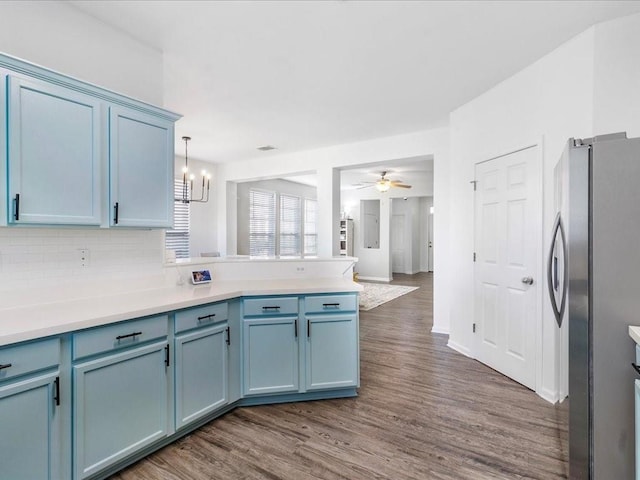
{"x": 116, "y": 209}
{"x": 166, "y": 356}
{"x": 330, "y": 305}
{"x": 56, "y": 393}
{"x": 308, "y": 328}
{"x": 120, "y": 337}
{"x": 228, "y": 336}
{"x": 6, "y": 365}
{"x": 636, "y": 367}
{"x": 206, "y": 317}
{"x": 16, "y": 201}
{"x": 295, "y": 327}
{"x": 275, "y": 307}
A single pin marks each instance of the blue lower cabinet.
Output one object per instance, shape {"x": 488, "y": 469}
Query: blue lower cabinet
{"x": 201, "y": 373}
{"x": 332, "y": 352}
{"x": 119, "y": 406}
{"x": 270, "y": 355}
{"x": 30, "y": 425}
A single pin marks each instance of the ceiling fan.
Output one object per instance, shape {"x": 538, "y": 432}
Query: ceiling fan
{"x": 383, "y": 184}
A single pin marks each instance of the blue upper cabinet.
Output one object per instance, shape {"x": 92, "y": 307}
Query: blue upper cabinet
{"x": 72, "y": 153}
{"x": 54, "y": 138}
{"x": 141, "y": 164}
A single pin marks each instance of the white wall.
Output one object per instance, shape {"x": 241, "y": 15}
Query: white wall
{"x": 326, "y": 162}
{"x": 617, "y": 77}
{"x": 57, "y": 36}
{"x": 544, "y": 104}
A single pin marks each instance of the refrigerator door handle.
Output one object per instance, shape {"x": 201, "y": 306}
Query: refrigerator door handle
{"x": 552, "y": 271}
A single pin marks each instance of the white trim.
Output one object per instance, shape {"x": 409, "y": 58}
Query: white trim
{"x": 443, "y": 331}
{"x": 460, "y": 349}
{"x": 548, "y": 395}
{"x": 375, "y": 279}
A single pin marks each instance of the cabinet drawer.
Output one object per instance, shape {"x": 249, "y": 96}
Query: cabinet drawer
{"x": 637, "y": 354}
{"x": 270, "y": 306}
{"x": 201, "y": 316}
{"x": 29, "y": 357}
{"x": 330, "y": 303}
{"x": 119, "y": 335}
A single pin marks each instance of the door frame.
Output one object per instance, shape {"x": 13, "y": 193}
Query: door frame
{"x": 538, "y": 271}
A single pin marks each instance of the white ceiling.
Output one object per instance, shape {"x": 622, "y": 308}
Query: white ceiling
{"x": 301, "y": 75}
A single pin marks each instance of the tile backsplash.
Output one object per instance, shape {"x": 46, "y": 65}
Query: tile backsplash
{"x": 44, "y": 256}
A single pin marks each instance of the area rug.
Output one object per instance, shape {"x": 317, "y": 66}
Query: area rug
{"x": 375, "y": 294}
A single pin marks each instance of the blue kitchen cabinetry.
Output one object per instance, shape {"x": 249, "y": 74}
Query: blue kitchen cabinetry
{"x": 270, "y": 341}
{"x": 72, "y": 153}
{"x": 332, "y": 356}
{"x": 120, "y": 395}
{"x": 141, "y": 164}
{"x": 202, "y": 341}
{"x": 313, "y": 337}
{"x": 54, "y": 139}
{"x": 30, "y": 411}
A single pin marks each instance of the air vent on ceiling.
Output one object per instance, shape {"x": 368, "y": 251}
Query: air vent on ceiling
{"x": 266, "y": 148}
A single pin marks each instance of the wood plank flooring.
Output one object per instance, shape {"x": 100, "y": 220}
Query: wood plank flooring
{"x": 424, "y": 411}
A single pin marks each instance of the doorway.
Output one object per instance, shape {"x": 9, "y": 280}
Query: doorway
{"x": 508, "y": 259}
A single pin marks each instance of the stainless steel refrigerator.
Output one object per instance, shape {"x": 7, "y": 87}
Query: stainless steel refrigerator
{"x": 594, "y": 282}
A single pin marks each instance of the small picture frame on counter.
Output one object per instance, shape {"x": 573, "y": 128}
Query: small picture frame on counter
{"x": 200, "y": 276}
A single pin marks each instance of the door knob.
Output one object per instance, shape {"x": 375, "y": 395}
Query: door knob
{"x": 527, "y": 280}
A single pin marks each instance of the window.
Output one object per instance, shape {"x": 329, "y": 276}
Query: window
{"x": 177, "y": 238}
{"x": 262, "y": 223}
{"x": 290, "y": 225}
{"x": 310, "y": 227}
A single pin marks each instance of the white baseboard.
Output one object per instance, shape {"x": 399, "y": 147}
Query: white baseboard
{"x": 375, "y": 279}
{"x": 443, "y": 331}
{"x": 459, "y": 348}
{"x": 548, "y": 395}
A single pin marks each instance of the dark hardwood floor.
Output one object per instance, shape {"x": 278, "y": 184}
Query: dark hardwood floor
{"x": 424, "y": 411}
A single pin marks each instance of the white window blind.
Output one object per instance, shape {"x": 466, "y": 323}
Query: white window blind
{"x": 310, "y": 227}
{"x": 262, "y": 223}
{"x": 177, "y": 238}
{"x": 290, "y": 225}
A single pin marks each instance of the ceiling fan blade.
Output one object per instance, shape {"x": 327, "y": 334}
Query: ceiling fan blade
{"x": 400, "y": 185}
{"x": 365, "y": 186}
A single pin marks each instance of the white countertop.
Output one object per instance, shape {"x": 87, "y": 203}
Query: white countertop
{"x": 634, "y": 332}
{"x": 21, "y": 323}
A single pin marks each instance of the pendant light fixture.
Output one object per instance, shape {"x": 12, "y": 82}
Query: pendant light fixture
{"x": 188, "y": 178}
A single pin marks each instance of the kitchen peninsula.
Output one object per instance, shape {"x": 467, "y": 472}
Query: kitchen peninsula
{"x": 99, "y": 375}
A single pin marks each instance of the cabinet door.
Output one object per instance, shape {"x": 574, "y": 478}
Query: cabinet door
{"x": 30, "y": 427}
{"x": 141, "y": 163}
{"x": 54, "y": 137}
{"x": 637, "y": 390}
{"x": 120, "y": 406}
{"x": 201, "y": 373}
{"x": 332, "y": 357}
{"x": 270, "y": 355}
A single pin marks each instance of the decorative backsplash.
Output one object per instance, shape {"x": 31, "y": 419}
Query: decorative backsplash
{"x": 43, "y": 256}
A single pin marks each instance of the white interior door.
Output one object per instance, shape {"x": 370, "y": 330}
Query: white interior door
{"x": 508, "y": 245}
{"x": 430, "y": 242}
{"x": 397, "y": 244}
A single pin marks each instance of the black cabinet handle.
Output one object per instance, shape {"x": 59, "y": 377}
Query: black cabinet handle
{"x": 330, "y": 305}
{"x": 295, "y": 327}
{"x": 16, "y": 201}
{"x": 206, "y": 317}
{"x": 56, "y": 391}
{"x": 116, "y": 207}
{"x": 120, "y": 337}
{"x": 308, "y": 328}
{"x": 274, "y": 307}
{"x": 6, "y": 365}
{"x": 166, "y": 356}
{"x": 228, "y": 336}
{"x": 636, "y": 367}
